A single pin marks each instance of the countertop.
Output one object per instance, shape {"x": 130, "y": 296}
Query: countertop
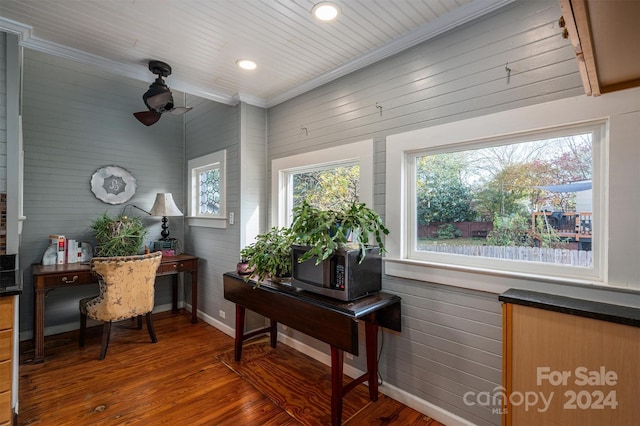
{"x": 585, "y": 308}
{"x": 10, "y": 283}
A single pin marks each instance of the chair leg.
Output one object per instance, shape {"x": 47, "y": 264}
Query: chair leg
{"x": 106, "y": 334}
{"x": 139, "y": 322}
{"x": 152, "y": 331}
{"x": 83, "y": 327}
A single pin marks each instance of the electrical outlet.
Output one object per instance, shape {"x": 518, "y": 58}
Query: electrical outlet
{"x": 348, "y": 355}
{"x": 231, "y": 218}
{"x": 222, "y": 314}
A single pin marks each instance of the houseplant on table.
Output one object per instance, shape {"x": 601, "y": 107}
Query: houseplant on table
{"x": 269, "y": 255}
{"x": 119, "y": 236}
{"x": 324, "y": 231}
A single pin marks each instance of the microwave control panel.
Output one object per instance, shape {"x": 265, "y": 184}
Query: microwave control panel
{"x": 340, "y": 276}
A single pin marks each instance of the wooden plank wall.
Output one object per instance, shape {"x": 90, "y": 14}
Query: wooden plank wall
{"x": 76, "y": 119}
{"x": 451, "y": 338}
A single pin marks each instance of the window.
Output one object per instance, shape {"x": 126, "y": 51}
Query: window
{"x": 504, "y": 200}
{"x": 325, "y": 178}
{"x": 529, "y": 201}
{"x": 207, "y": 203}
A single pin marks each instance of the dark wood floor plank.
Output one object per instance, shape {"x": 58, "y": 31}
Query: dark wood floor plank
{"x": 187, "y": 378}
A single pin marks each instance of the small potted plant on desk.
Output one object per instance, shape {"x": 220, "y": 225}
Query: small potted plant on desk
{"x": 119, "y": 236}
{"x": 269, "y": 256}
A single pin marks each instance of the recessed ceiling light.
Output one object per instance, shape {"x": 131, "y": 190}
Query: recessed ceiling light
{"x": 246, "y": 64}
{"x": 326, "y": 11}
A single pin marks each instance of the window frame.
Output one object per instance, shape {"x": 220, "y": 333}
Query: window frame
{"x": 281, "y": 168}
{"x": 195, "y": 166}
{"x": 554, "y": 117}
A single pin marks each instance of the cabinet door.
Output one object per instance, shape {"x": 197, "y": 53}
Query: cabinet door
{"x": 563, "y": 369}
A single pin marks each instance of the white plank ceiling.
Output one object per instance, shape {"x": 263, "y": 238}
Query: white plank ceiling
{"x": 202, "y": 39}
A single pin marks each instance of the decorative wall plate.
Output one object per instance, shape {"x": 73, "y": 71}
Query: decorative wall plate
{"x": 113, "y": 184}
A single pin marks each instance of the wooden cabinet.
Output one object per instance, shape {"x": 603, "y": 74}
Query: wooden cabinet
{"x": 569, "y": 362}
{"x": 7, "y": 306}
{"x": 604, "y": 36}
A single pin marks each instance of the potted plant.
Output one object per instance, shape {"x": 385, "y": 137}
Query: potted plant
{"x": 324, "y": 231}
{"x": 269, "y": 255}
{"x": 119, "y": 236}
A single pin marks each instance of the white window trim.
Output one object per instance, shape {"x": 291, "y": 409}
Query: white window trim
{"x": 360, "y": 152}
{"x": 618, "y": 110}
{"x": 219, "y": 220}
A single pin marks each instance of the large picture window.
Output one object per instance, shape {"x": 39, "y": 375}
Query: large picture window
{"x": 529, "y": 201}
{"x": 513, "y": 199}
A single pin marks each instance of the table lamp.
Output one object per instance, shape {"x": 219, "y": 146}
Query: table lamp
{"x": 165, "y": 206}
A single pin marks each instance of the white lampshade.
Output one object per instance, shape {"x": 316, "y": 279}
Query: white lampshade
{"x": 165, "y": 206}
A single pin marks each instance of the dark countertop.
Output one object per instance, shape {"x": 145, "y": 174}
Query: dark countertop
{"x": 10, "y": 283}
{"x": 585, "y": 308}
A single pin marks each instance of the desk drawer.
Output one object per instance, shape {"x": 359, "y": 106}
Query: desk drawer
{"x": 69, "y": 278}
{"x": 178, "y": 266}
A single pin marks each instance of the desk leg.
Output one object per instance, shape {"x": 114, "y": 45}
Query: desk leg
{"x": 194, "y": 297}
{"x": 239, "y": 332}
{"x": 174, "y": 293}
{"x": 336, "y": 385}
{"x": 371, "y": 337}
{"x": 38, "y": 325}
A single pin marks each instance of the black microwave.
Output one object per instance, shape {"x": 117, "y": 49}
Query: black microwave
{"x": 341, "y": 276}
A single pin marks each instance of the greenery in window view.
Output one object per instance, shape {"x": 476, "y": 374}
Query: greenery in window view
{"x": 334, "y": 188}
{"x": 500, "y": 185}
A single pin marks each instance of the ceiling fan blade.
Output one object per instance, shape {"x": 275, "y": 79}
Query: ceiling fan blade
{"x": 180, "y": 110}
{"x": 147, "y": 117}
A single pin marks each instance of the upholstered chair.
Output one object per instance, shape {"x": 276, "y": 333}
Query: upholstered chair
{"x": 126, "y": 291}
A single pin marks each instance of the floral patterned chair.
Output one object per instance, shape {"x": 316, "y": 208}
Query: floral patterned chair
{"x": 126, "y": 291}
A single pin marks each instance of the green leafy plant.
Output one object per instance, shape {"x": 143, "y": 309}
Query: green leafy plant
{"x": 119, "y": 236}
{"x": 324, "y": 231}
{"x": 270, "y": 254}
{"x": 448, "y": 231}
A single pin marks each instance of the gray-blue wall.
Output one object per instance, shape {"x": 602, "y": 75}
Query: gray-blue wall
{"x": 451, "y": 338}
{"x": 76, "y": 119}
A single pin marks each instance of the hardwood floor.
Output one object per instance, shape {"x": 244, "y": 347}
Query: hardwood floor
{"x": 187, "y": 378}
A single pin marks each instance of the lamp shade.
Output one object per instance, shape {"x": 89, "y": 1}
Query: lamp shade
{"x": 165, "y": 206}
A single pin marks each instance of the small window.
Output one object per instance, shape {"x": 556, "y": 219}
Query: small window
{"x": 207, "y": 206}
{"x": 326, "y": 178}
{"x": 329, "y": 187}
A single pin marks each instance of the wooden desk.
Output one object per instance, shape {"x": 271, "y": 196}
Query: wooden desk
{"x": 50, "y": 277}
{"x": 332, "y": 321}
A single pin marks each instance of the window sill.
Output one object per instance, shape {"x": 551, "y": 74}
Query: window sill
{"x": 207, "y": 222}
{"x": 475, "y": 278}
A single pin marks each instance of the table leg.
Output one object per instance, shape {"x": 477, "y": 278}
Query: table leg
{"x": 174, "y": 293}
{"x": 273, "y": 333}
{"x": 336, "y": 385}
{"x": 371, "y": 338}
{"x": 239, "y": 332}
{"x": 38, "y": 325}
{"x": 194, "y": 297}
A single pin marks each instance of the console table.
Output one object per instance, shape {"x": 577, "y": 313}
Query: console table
{"x": 49, "y": 277}
{"x": 329, "y": 320}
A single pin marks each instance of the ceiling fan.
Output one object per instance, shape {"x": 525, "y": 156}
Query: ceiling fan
{"x": 158, "y": 98}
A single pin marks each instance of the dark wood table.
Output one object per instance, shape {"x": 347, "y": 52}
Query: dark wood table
{"x": 329, "y": 320}
{"x": 49, "y": 277}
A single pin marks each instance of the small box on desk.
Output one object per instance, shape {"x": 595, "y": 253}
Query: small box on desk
{"x": 167, "y": 247}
